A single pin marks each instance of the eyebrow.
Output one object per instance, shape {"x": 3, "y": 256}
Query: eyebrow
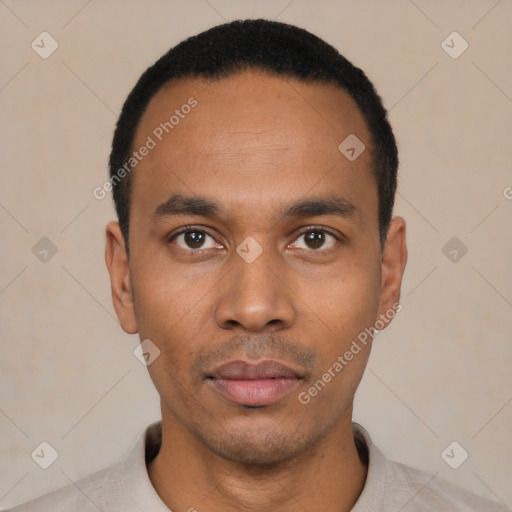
{"x": 178, "y": 204}
{"x": 186, "y": 205}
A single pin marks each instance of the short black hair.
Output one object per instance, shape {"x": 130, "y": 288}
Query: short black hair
{"x": 271, "y": 46}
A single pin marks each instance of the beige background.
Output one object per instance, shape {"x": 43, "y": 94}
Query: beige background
{"x": 440, "y": 373}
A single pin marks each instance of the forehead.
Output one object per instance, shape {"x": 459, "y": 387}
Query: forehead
{"x": 247, "y": 136}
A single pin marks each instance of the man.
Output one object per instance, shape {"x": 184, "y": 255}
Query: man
{"x": 254, "y": 171}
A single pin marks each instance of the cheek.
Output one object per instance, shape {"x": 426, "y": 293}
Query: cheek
{"x": 166, "y": 294}
{"x": 346, "y": 308}
{"x": 170, "y": 311}
{"x": 345, "y": 300}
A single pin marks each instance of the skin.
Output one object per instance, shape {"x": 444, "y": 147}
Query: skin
{"x": 255, "y": 143}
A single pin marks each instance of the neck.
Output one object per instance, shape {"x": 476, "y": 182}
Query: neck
{"x": 188, "y": 476}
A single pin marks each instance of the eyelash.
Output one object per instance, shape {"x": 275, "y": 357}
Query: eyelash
{"x": 186, "y": 229}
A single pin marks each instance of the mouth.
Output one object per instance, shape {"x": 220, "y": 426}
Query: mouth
{"x": 254, "y": 385}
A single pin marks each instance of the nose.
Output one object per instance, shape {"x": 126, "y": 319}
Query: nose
{"x": 255, "y": 296}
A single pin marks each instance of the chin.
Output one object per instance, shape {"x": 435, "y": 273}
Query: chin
{"x": 257, "y": 452}
{"x": 260, "y": 446}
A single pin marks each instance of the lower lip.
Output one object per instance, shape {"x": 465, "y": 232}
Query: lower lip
{"x": 254, "y": 393}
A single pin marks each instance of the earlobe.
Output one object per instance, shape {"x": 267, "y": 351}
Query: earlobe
{"x": 394, "y": 259}
{"x": 120, "y": 282}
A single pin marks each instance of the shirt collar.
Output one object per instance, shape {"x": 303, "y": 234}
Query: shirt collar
{"x": 374, "y": 490}
{"x": 128, "y": 487}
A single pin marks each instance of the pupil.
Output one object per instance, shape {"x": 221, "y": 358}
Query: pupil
{"x": 194, "y": 239}
{"x": 315, "y": 239}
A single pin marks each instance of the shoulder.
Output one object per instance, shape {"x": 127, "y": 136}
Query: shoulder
{"x": 85, "y": 495}
{"x": 395, "y": 486}
{"x": 122, "y": 486}
{"x": 421, "y": 491}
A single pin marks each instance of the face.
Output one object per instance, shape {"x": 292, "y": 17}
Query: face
{"x": 255, "y": 261}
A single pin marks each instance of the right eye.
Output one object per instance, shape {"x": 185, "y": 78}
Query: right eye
{"x": 193, "y": 240}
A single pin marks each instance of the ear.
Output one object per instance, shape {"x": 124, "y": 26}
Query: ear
{"x": 394, "y": 258}
{"x": 120, "y": 282}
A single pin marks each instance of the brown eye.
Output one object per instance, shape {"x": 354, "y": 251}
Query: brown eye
{"x": 194, "y": 239}
{"x": 315, "y": 239}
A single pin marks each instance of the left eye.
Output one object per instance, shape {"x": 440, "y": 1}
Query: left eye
{"x": 315, "y": 239}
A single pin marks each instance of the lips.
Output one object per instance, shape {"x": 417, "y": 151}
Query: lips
{"x": 252, "y": 384}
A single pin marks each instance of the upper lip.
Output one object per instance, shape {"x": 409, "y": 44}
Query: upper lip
{"x": 243, "y": 370}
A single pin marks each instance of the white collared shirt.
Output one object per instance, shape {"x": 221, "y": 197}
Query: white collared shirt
{"x": 390, "y": 486}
